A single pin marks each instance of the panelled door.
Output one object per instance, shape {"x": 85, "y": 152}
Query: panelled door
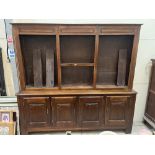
{"x": 117, "y": 110}
{"x": 64, "y": 112}
{"x": 37, "y": 111}
{"x": 91, "y": 111}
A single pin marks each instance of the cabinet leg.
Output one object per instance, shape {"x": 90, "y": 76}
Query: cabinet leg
{"x": 23, "y": 132}
{"x": 128, "y": 130}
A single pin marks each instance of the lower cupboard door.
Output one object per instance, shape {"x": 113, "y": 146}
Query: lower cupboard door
{"x": 37, "y": 111}
{"x": 117, "y": 110}
{"x": 64, "y": 112}
{"x": 91, "y": 112}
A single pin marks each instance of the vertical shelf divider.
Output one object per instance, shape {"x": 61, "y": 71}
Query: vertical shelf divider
{"x": 58, "y": 58}
{"x": 96, "y": 58}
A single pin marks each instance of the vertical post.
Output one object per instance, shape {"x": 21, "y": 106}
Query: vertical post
{"x": 58, "y": 58}
{"x": 133, "y": 57}
{"x": 95, "y": 59}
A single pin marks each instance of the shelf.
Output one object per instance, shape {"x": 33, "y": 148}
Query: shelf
{"x": 40, "y": 88}
{"x": 77, "y": 86}
{"x": 77, "y": 64}
{"x": 75, "y": 92}
{"x": 107, "y": 86}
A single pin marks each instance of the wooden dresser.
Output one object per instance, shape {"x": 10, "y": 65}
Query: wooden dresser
{"x": 76, "y": 77}
{"x": 150, "y": 105}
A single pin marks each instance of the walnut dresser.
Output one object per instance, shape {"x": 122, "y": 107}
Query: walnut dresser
{"x": 76, "y": 77}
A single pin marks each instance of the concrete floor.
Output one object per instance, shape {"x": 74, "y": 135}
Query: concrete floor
{"x": 138, "y": 128}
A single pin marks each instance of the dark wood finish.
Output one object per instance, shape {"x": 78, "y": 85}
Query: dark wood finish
{"x": 77, "y": 64}
{"x": 77, "y": 49}
{"x": 37, "y": 68}
{"x": 122, "y": 67}
{"x": 89, "y": 91}
{"x": 133, "y": 57}
{"x": 77, "y": 76}
{"x": 31, "y": 43}
{"x": 76, "y": 112}
{"x": 96, "y": 60}
{"x": 77, "y": 30}
{"x": 117, "y": 110}
{"x": 91, "y": 111}
{"x": 109, "y": 47}
{"x": 19, "y": 59}
{"x": 66, "y": 92}
{"x": 49, "y": 68}
{"x": 58, "y": 59}
{"x": 150, "y": 105}
{"x": 64, "y": 111}
{"x": 38, "y": 110}
{"x": 39, "y": 29}
{"x": 117, "y": 30}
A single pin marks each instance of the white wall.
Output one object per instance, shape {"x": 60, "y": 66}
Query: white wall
{"x": 146, "y": 51}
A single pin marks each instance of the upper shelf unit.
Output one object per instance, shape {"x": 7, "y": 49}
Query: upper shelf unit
{"x": 76, "y": 56}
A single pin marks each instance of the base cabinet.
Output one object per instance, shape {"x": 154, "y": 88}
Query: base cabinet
{"x": 104, "y": 112}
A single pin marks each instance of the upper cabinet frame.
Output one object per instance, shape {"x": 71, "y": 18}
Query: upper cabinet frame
{"x": 95, "y": 30}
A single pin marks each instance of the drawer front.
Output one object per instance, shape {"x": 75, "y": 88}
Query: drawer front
{"x": 64, "y": 111}
{"x": 117, "y": 110}
{"x": 77, "y": 30}
{"x": 38, "y": 111}
{"x": 91, "y": 112}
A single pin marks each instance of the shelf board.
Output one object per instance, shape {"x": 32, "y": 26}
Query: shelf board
{"x": 106, "y": 86}
{"x": 77, "y": 64}
{"x": 76, "y": 86}
{"x": 76, "y": 92}
{"x": 41, "y": 88}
